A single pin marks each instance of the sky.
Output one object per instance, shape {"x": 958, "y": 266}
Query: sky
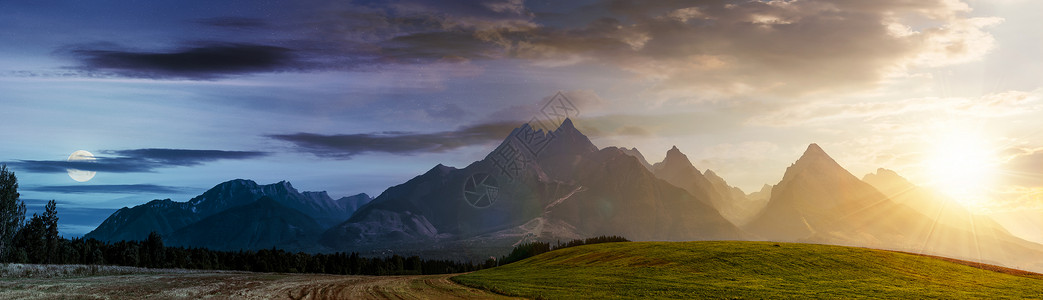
{"x": 173, "y": 98}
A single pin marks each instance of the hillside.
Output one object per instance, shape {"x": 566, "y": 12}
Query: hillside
{"x": 746, "y": 270}
{"x": 259, "y": 225}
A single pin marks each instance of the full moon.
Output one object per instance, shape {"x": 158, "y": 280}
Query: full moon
{"x": 81, "y": 175}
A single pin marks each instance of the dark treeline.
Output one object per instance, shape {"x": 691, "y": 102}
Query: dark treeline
{"x": 36, "y": 241}
{"x": 531, "y": 249}
{"x": 151, "y": 253}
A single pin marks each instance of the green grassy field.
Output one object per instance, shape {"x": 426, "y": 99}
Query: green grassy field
{"x": 745, "y": 270}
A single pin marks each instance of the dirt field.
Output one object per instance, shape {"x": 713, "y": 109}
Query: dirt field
{"x": 231, "y": 285}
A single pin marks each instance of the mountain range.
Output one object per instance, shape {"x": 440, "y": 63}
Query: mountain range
{"x": 557, "y": 185}
{"x": 549, "y": 186}
{"x": 818, "y": 201}
{"x": 234, "y": 211}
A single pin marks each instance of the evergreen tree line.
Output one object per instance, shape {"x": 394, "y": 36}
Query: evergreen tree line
{"x": 36, "y": 241}
{"x": 530, "y": 249}
{"x": 151, "y": 253}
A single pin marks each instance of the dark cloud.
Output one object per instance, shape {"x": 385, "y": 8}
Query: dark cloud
{"x": 199, "y": 62}
{"x": 102, "y": 164}
{"x": 344, "y": 146}
{"x": 724, "y": 47}
{"x": 136, "y": 160}
{"x": 717, "y": 46}
{"x": 184, "y": 157}
{"x": 109, "y": 189}
{"x": 714, "y": 47}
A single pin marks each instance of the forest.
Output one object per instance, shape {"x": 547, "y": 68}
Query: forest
{"x": 36, "y": 241}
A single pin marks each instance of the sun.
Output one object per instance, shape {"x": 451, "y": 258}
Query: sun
{"x": 962, "y": 165}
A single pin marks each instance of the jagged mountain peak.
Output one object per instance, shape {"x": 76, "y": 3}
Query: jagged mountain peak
{"x": 675, "y": 159}
{"x": 816, "y": 164}
{"x": 234, "y": 183}
{"x": 882, "y": 173}
{"x": 567, "y": 132}
{"x": 815, "y": 156}
{"x": 440, "y": 169}
{"x": 359, "y": 195}
{"x": 814, "y": 151}
{"x": 566, "y": 125}
{"x": 637, "y": 154}
{"x": 890, "y": 182}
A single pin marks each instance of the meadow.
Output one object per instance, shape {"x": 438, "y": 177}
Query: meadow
{"x": 739, "y": 270}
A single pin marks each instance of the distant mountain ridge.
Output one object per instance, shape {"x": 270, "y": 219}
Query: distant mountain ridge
{"x": 167, "y": 217}
{"x": 731, "y": 202}
{"x": 261, "y": 224}
{"x": 818, "y": 201}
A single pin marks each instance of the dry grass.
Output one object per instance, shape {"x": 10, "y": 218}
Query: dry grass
{"x": 111, "y": 282}
{"x": 8, "y": 271}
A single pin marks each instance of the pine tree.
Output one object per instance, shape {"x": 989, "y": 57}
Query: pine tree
{"x": 154, "y": 251}
{"x": 31, "y": 239}
{"x": 50, "y": 220}
{"x": 12, "y": 210}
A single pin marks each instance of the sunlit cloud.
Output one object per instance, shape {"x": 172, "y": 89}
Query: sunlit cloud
{"x": 774, "y": 47}
{"x": 1024, "y": 167}
{"x": 987, "y": 106}
{"x": 1015, "y": 198}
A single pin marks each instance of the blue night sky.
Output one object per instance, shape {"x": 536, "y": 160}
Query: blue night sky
{"x": 175, "y": 97}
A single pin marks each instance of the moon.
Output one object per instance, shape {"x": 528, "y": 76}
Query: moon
{"x": 81, "y": 175}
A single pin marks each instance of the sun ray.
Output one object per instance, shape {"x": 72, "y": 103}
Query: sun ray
{"x": 962, "y": 165}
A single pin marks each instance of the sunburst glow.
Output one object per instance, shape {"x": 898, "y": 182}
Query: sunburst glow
{"x": 962, "y": 165}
